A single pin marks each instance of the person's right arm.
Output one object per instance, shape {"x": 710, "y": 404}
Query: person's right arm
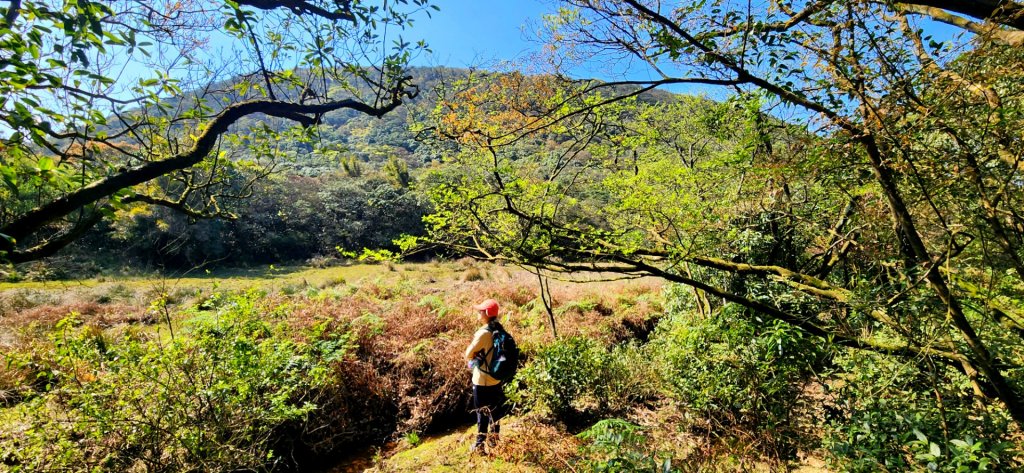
{"x": 476, "y": 346}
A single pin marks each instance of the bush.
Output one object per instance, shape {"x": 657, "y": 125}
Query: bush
{"x": 576, "y": 378}
{"x": 614, "y": 445}
{"x": 894, "y": 417}
{"x": 732, "y": 372}
{"x": 221, "y": 395}
{"x": 472, "y": 274}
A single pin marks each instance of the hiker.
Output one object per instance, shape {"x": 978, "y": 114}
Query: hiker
{"x": 488, "y": 392}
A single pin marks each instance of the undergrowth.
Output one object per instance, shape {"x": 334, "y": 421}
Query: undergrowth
{"x": 218, "y": 396}
{"x": 219, "y": 380}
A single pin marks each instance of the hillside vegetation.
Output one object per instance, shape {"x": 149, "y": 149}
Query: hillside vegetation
{"x": 292, "y": 368}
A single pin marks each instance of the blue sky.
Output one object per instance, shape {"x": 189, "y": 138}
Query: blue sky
{"x": 479, "y": 32}
{"x": 485, "y": 33}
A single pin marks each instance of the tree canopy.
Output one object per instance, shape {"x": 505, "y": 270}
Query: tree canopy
{"x": 109, "y": 105}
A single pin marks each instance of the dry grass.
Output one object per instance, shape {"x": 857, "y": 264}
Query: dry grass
{"x": 530, "y": 441}
{"x": 529, "y": 444}
{"x": 15, "y": 383}
{"x": 104, "y": 315}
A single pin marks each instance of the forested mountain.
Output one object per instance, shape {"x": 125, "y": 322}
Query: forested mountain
{"x": 349, "y": 185}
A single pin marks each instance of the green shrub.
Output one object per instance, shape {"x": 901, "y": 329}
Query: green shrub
{"x": 581, "y": 306}
{"x": 577, "y": 378}
{"x": 222, "y": 395}
{"x": 891, "y": 416}
{"x": 615, "y": 445}
{"x": 733, "y": 372}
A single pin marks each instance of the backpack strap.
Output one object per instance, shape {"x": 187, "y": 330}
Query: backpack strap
{"x": 494, "y": 327}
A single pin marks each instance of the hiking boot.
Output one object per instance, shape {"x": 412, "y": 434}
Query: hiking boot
{"x": 492, "y": 440}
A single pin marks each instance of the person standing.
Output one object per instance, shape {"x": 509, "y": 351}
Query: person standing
{"x": 488, "y": 392}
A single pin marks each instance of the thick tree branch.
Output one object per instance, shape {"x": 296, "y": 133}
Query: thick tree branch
{"x": 992, "y": 32}
{"x": 1003, "y": 12}
{"x": 915, "y": 249}
{"x": 803, "y": 282}
{"x": 177, "y": 205}
{"x": 809, "y": 325}
{"x": 302, "y": 7}
{"x": 12, "y": 12}
{"x": 55, "y": 244}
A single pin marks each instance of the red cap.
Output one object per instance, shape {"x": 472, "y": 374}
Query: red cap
{"x": 490, "y": 307}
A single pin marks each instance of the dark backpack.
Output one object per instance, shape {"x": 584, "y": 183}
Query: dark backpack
{"x": 506, "y": 354}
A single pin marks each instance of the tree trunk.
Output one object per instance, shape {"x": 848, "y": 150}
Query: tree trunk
{"x": 907, "y": 231}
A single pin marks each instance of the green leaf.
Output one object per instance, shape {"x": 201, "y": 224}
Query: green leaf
{"x": 46, "y": 164}
{"x": 10, "y": 178}
{"x": 920, "y": 435}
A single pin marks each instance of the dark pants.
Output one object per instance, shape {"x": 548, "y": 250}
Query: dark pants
{"x": 489, "y": 404}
